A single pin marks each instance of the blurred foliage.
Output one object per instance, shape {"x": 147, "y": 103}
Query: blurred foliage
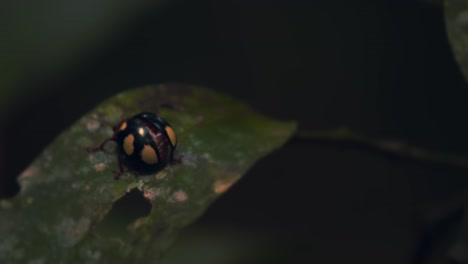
{"x": 44, "y": 39}
{"x": 456, "y": 20}
{"x": 70, "y": 207}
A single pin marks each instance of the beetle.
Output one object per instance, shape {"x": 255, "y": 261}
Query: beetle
{"x": 145, "y": 143}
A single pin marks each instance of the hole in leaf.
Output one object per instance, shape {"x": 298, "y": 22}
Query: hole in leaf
{"x": 130, "y": 207}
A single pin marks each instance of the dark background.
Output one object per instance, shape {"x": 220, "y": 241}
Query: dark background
{"x": 382, "y": 68}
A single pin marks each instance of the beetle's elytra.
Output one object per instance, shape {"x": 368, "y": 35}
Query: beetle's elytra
{"x": 145, "y": 143}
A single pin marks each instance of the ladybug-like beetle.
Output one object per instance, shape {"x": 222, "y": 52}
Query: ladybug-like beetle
{"x": 145, "y": 143}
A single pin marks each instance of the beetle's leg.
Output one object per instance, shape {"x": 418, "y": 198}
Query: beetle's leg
{"x": 136, "y": 173}
{"x": 101, "y": 147}
{"x": 176, "y": 159}
{"x": 119, "y": 173}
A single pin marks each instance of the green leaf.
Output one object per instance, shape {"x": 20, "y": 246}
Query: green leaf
{"x": 456, "y": 20}
{"x": 64, "y": 211}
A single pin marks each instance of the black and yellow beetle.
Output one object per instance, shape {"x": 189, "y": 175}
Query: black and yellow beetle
{"x": 145, "y": 143}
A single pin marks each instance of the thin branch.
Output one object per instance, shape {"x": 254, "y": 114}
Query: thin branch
{"x": 389, "y": 147}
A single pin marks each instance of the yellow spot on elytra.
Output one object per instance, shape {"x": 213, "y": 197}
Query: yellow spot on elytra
{"x": 128, "y": 144}
{"x": 141, "y": 131}
{"x": 171, "y": 134}
{"x": 123, "y": 126}
{"x": 148, "y": 155}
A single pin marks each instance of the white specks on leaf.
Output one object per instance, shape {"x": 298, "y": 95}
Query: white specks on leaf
{"x": 92, "y": 255}
{"x": 93, "y": 125}
{"x": 161, "y": 175}
{"x": 132, "y": 186}
{"x": 100, "y": 166}
{"x": 70, "y": 231}
{"x": 189, "y": 159}
{"x": 161, "y": 192}
{"x": 76, "y": 185}
{"x": 150, "y": 194}
{"x": 92, "y": 157}
{"x": 208, "y": 157}
{"x": 99, "y": 161}
{"x": 178, "y": 197}
{"x": 139, "y": 185}
{"x": 196, "y": 142}
{"x": 144, "y": 180}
